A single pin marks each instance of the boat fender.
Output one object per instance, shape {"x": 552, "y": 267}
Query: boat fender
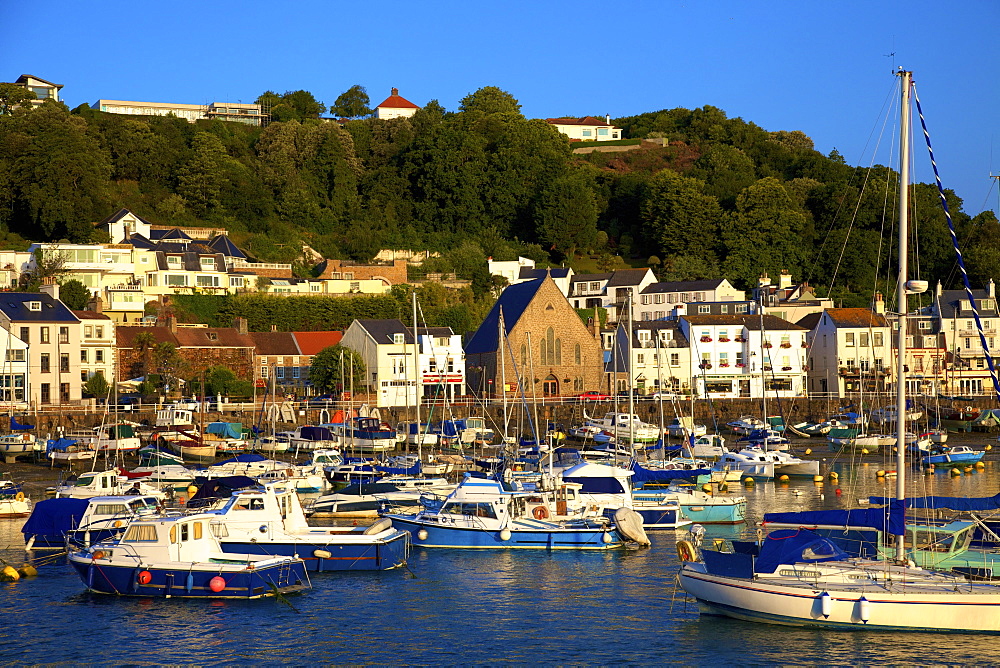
{"x": 322, "y": 554}
{"x": 540, "y": 513}
{"x": 99, "y": 554}
{"x": 606, "y": 538}
{"x": 217, "y": 584}
{"x": 505, "y": 534}
{"x": 864, "y": 610}
{"x": 144, "y": 577}
{"x": 422, "y": 534}
{"x": 19, "y": 496}
{"x": 685, "y": 550}
{"x": 27, "y": 570}
{"x": 825, "y": 604}
{"x": 189, "y": 583}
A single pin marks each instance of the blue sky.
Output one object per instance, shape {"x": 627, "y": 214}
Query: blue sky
{"x": 820, "y": 67}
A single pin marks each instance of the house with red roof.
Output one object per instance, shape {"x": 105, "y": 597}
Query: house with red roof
{"x": 395, "y": 106}
{"x": 587, "y": 128}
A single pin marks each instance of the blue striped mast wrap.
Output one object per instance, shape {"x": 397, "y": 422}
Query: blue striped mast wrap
{"x": 958, "y": 250}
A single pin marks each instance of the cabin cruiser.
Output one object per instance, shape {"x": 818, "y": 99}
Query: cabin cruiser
{"x": 366, "y": 499}
{"x": 104, "y": 483}
{"x": 54, "y": 522}
{"x": 625, "y": 427}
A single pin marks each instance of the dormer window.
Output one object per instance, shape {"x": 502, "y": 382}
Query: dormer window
{"x": 173, "y": 259}
{"x": 398, "y": 338}
{"x": 34, "y": 306}
{"x": 212, "y": 336}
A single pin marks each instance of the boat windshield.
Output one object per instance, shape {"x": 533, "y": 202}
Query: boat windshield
{"x": 470, "y": 509}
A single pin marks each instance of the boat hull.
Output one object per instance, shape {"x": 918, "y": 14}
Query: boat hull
{"x": 523, "y": 537}
{"x": 661, "y": 517}
{"x": 381, "y": 555}
{"x": 190, "y": 580}
{"x": 885, "y": 610}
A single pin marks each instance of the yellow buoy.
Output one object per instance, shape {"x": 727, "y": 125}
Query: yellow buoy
{"x": 723, "y": 487}
{"x": 809, "y": 451}
{"x": 27, "y": 571}
{"x": 783, "y": 478}
{"x": 817, "y": 478}
{"x": 864, "y": 451}
{"x": 980, "y": 465}
{"x": 956, "y": 472}
{"x": 989, "y": 447}
{"x": 929, "y": 470}
{"x": 834, "y": 475}
{"x": 191, "y": 490}
{"x": 968, "y": 469}
{"x": 706, "y": 488}
{"x": 10, "y": 574}
{"x": 880, "y": 474}
{"x": 748, "y": 482}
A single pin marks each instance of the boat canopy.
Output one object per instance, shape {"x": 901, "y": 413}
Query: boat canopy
{"x": 950, "y": 502}
{"x": 989, "y": 417}
{"x": 59, "y": 444}
{"x": 795, "y": 546}
{"x": 226, "y": 429}
{"x": 121, "y": 431}
{"x": 843, "y": 433}
{"x": 313, "y": 433}
{"x": 641, "y": 474}
{"x": 54, "y": 517}
{"x": 15, "y": 425}
{"x": 245, "y": 458}
{"x": 889, "y": 520}
{"x": 400, "y": 470}
{"x": 220, "y": 488}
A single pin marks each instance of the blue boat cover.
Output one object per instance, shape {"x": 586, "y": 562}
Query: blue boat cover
{"x": 950, "y": 502}
{"x": 400, "y": 470}
{"x": 220, "y": 488}
{"x": 311, "y": 433}
{"x": 873, "y": 518}
{"x": 59, "y": 444}
{"x": 650, "y": 475}
{"x": 245, "y": 458}
{"x": 226, "y": 429}
{"x": 15, "y": 425}
{"x": 795, "y": 546}
{"x": 54, "y": 517}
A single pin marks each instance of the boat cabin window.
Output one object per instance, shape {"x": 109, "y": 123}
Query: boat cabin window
{"x": 85, "y": 481}
{"x": 930, "y": 541}
{"x": 187, "y": 531}
{"x": 471, "y": 509}
{"x": 249, "y": 504}
{"x": 110, "y": 508}
{"x": 140, "y": 533}
{"x": 219, "y": 530}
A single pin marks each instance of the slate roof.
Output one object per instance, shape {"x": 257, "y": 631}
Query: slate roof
{"x": 682, "y": 286}
{"x": 656, "y": 326}
{"x": 14, "y": 305}
{"x": 167, "y": 235}
{"x": 586, "y": 278}
{"x": 855, "y": 317}
{"x": 119, "y": 214}
{"x": 382, "y": 331}
{"x": 311, "y": 343}
{"x": 951, "y": 301}
{"x": 90, "y": 315}
{"x": 622, "y": 277}
{"x": 750, "y": 321}
{"x": 810, "y": 321}
{"x": 275, "y": 343}
{"x": 513, "y": 301}
{"x": 24, "y": 79}
{"x": 220, "y": 243}
{"x": 528, "y": 273}
{"x": 212, "y": 337}
{"x": 140, "y": 241}
{"x": 395, "y": 101}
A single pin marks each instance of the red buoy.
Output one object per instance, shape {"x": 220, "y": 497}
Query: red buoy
{"x": 145, "y": 577}
{"x": 839, "y": 492}
{"x": 217, "y": 584}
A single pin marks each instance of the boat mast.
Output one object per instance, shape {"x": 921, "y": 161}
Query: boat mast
{"x": 631, "y": 392}
{"x": 416, "y": 376}
{"x": 904, "y": 177}
{"x": 501, "y": 351}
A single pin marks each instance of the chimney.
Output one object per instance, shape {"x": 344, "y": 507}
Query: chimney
{"x": 172, "y": 323}
{"x": 879, "y": 304}
{"x": 241, "y": 325}
{"x": 97, "y": 305}
{"x": 764, "y": 280}
{"x": 991, "y": 289}
{"x": 593, "y": 324}
{"x": 937, "y": 290}
{"x": 395, "y": 91}
{"x": 785, "y": 280}
{"x": 51, "y": 288}
{"x": 607, "y": 118}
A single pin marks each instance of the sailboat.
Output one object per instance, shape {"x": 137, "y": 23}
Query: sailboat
{"x": 797, "y": 577}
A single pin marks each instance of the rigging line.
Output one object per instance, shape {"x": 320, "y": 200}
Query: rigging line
{"x": 973, "y": 234}
{"x": 958, "y": 250}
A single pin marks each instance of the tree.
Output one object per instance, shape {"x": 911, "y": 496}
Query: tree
{"x": 74, "y": 295}
{"x": 680, "y": 217}
{"x": 12, "y": 96}
{"x": 97, "y": 386}
{"x": 201, "y": 178}
{"x": 325, "y": 370}
{"x": 490, "y": 100}
{"x": 567, "y": 214}
{"x": 352, "y": 103}
{"x": 143, "y": 345}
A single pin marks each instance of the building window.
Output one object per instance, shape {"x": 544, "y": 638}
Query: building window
{"x": 34, "y": 306}
{"x": 877, "y": 339}
{"x": 740, "y": 308}
{"x": 15, "y": 355}
{"x": 263, "y": 371}
{"x": 208, "y": 281}
{"x": 356, "y": 286}
{"x": 236, "y": 281}
{"x": 64, "y": 362}
{"x": 658, "y": 299}
{"x": 63, "y": 392}
{"x": 398, "y": 338}
{"x": 675, "y": 359}
{"x": 703, "y": 308}
{"x": 578, "y": 354}
{"x": 88, "y": 332}
{"x": 43, "y": 335}
{"x": 295, "y": 372}
{"x": 849, "y": 339}
{"x": 99, "y": 356}
{"x": 83, "y": 355}
{"x": 46, "y": 393}
{"x": 924, "y": 324}
{"x": 43, "y": 363}
{"x": 25, "y": 335}
{"x": 314, "y": 287}
{"x": 279, "y": 372}
{"x": 64, "y": 335}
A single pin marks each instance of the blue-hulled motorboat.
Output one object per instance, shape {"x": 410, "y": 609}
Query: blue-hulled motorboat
{"x": 55, "y": 522}
{"x": 952, "y": 455}
{"x": 487, "y": 514}
{"x": 179, "y": 556}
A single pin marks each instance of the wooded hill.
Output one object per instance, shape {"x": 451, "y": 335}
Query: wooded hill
{"x": 723, "y": 197}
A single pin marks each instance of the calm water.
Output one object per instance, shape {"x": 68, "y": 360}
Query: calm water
{"x": 452, "y": 607}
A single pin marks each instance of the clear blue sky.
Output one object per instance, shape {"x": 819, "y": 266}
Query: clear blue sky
{"x": 819, "y": 67}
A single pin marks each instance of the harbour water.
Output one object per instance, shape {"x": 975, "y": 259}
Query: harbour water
{"x": 465, "y": 607}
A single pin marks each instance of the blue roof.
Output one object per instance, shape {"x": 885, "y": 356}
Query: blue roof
{"x": 513, "y": 301}
{"x": 14, "y": 305}
{"x": 220, "y": 243}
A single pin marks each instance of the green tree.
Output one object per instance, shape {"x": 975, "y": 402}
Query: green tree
{"x": 490, "y": 100}
{"x": 97, "y": 386}
{"x": 567, "y": 214}
{"x": 352, "y": 103}
{"x": 680, "y": 217}
{"x": 12, "y": 96}
{"x": 74, "y": 295}
{"x": 201, "y": 179}
{"x": 325, "y": 370}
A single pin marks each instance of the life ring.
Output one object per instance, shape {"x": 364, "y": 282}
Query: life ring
{"x": 19, "y": 496}
{"x": 540, "y": 513}
{"x": 685, "y": 550}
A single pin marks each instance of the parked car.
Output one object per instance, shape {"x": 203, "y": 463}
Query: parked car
{"x": 593, "y": 396}
{"x": 664, "y": 396}
{"x": 323, "y": 400}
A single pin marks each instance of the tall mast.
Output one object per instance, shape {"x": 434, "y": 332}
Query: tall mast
{"x": 631, "y": 392}
{"x": 904, "y": 179}
{"x": 501, "y": 351}
{"x": 416, "y": 374}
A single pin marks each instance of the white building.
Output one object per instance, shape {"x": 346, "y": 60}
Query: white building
{"x": 388, "y": 350}
{"x": 395, "y": 106}
{"x": 612, "y": 291}
{"x": 851, "y": 351}
{"x": 659, "y": 300}
{"x": 239, "y": 112}
{"x": 97, "y": 346}
{"x": 587, "y": 128}
{"x": 660, "y": 358}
